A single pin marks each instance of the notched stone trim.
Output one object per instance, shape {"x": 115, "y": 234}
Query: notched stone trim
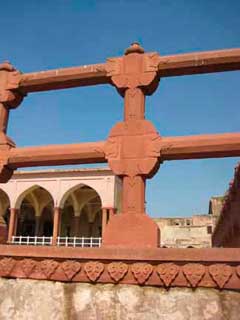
{"x": 171, "y": 274}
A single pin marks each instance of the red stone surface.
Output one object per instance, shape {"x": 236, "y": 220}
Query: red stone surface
{"x": 131, "y": 230}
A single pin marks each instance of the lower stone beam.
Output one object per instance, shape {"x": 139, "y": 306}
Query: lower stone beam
{"x": 79, "y": 265}
{"x": 200, "y": 146}
{"x": 81, "y": 153}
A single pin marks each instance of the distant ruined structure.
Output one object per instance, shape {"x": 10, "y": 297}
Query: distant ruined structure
{"x": 129, "y": 252}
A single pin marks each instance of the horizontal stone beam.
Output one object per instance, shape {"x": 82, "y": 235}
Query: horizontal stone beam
{"x": 172, "y": 65}
{"x": 64, "y": 78}
{"x": 200, "y": 146}
{"x": 172, "y": 148}
{"x": 57, "y": 155}
{"x": 199, "y": 62}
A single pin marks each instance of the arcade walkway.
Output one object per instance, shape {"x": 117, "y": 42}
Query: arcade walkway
{"x": 58, "y": 207}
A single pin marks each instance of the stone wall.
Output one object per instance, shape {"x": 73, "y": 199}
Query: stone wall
{"x": 41, "y": 300}
{"x": 182, "y": 232}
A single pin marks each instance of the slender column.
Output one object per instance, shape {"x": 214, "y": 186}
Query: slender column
{"x": 56, "y": 224}
{"x": 4, "y": 115}
{"x": 17, "y": 217}
{"x": 90, "y": 229}
{"x": 112, "y": 211}
{"x": 12, "y": 224}
{"x": 76, "y": 225}
{"x": 134, "y": 104}
{"x": 104, "y": 220}
{"x": 133, "y": 197}
{"x": 37, "y": 225}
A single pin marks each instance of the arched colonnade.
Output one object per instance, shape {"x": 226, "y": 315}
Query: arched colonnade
{"x": 56, "y": 209}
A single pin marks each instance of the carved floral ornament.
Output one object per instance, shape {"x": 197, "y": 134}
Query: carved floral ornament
{"x": 142, "y": 273}
{"x": 117, "y": 270}
{"x": 167, "y": 272}
{"x": 133, "y": 148}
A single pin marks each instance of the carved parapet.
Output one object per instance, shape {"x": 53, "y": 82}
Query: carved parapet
{"x": 167, "y": 268}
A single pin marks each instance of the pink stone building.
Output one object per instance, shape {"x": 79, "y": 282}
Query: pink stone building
{"x": 58, "y": 206}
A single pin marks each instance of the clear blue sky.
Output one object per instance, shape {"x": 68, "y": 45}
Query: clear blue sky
{"x": 40, "y": 35}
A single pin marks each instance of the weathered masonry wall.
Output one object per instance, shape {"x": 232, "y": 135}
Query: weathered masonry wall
{"x": 41, "y": 300}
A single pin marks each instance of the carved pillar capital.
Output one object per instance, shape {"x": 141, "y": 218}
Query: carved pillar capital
{"x": 135, "y": 69}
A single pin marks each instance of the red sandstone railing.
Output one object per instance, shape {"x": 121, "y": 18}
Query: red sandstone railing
{"x": 134, "y": 148}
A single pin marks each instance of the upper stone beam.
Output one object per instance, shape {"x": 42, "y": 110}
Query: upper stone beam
{"x": 172, "y": 65}
{"x": 199, "y": 62}
{"x": 81, "y": 153}
{"x": 87, "y": 75}
{"x": 200, "y": 146}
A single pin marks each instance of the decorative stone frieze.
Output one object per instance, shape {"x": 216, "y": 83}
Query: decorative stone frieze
{"x": 163, "y": 274}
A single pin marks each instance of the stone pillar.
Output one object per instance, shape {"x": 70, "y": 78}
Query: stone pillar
{"x": 10, "y": 98}
{"x": 76, "y": 225}
{"x": 104, "y": 220}
{"x": 90, "y": 229}
{"x": 56, "y": 224}
{"x": 112, "y": 211}
{"x": 17, "y": 218}
{"x": 133, "y": 149}
{"x": 37, "y": 225}
{"x": 12, "y": 224}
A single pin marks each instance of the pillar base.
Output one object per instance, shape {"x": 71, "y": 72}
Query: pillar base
{"x": 3, "y": 233}
{"x": 132, "y": 231}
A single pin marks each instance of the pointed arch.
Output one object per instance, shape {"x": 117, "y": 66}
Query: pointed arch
{"x": 30, "y": 203}
{"x": 29, "y": 190}
{"x": 73, "y": 189}
{"x": 4, "y": 202}
{"x": 82, "y": 223}
{"x": 4, "y": 213}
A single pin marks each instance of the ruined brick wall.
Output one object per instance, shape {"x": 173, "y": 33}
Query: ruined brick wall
{"x": 195, "y": 231}
{"x": 41, "y": 300}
